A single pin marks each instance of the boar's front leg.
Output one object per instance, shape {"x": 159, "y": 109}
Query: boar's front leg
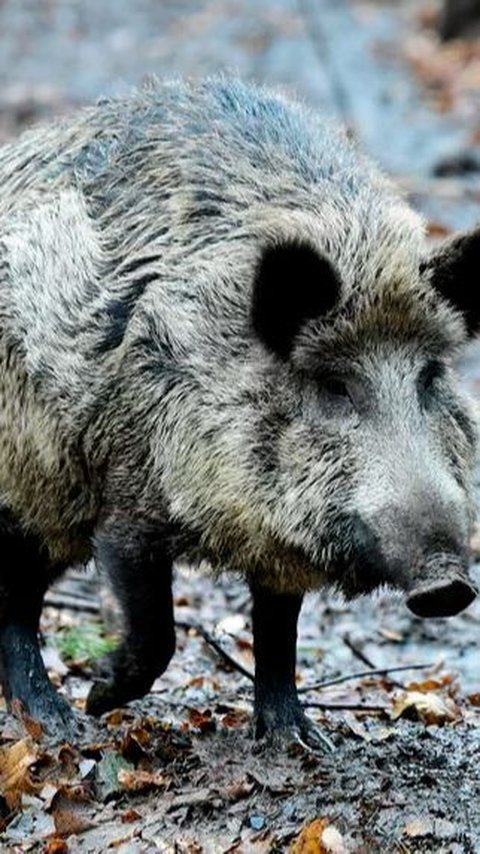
{"x": 278, "y": 714}
{"x": 140, "y": 573}
{"x": 24, "y": 576}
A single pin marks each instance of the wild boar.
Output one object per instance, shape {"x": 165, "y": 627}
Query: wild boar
{"x": 222, "y": 337}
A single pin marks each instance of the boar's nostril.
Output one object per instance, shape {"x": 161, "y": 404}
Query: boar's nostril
{"x": 441, "y": 599}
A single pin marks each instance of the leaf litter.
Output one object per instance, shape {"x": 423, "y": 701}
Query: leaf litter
{"x": 179, "y": 768}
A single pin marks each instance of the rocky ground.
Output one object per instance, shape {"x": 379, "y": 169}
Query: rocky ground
{"x": 178, "y": 771}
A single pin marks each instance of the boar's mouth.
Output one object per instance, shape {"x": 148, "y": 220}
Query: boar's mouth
{"x": 361, "y": 568}
{"x": 437, "y": 585}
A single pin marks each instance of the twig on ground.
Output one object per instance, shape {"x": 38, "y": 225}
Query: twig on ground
{"x": 350, "y": 707}
{"x": 214, "y": 643}
{"x": 318, "y": 686}
{"x": 358, "y": 652}
{"x": 72, "y": 601}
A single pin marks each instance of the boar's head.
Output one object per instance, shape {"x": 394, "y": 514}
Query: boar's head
{"x": 370, "y": 443}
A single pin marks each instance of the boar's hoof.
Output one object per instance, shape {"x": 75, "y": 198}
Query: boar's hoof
{"x": 443, "y": 599}
{"x": 281, "y": 732}
{"x": 115, "y": 692}
{"x": 53, "y": 713}
{"x": 122, "y": 676}
{"x": 104, "y": 696}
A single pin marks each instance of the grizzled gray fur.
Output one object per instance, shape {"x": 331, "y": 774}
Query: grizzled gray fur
{"x": 222, "y": 337}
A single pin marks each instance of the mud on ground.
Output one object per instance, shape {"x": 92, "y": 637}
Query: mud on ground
{"x": 179, "y": 771}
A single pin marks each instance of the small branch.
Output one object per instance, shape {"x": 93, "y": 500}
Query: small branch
{"x": 317, "y": 686}
{"x": 350, "y": 707}
{"x": 71, "y": 600}
{"x": 211, "y": 641}
{"x": 358, "y": 652}
{"x": 362, "y": 674}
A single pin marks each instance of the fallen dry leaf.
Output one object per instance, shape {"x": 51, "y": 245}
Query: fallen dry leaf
{"x": 16, "y": 762}
{"x": 238, "y": 791}
{"x": 375, "y": 734}
{"x": 136, "y": 742}
{"x": 116, "y": 717}
{"x": 425, "y": 706}
{"x": 32, "y": 727}
{"x": 202, "y": 721}
{"x": 71, "y": 810}
{"x": 69, "y": 760}
{"x": 437, "y": 229}
{"x": 431, "y": 684}
{"x": 56, "y": 846}
{"x": 391, "y": 635}
{"x": 418, "y": 827}
{"x": 319, "y": 837}
{"x": 129, "y": 816}
{"x": 234, "y": 718}
{"x": 137, "y": 780}
{"x": 244, "y": 645}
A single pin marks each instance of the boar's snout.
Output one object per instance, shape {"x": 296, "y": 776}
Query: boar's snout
{"x": 444, "y": 592}
{"x": 398, "y": 551}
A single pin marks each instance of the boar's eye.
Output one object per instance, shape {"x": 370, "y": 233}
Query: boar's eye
{"x": 428, "y": 376}
{"x": 335, "y": 387}
{"x": 337, "y": 393}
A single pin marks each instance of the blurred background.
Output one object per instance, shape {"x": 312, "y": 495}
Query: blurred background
{"x": 404, "y": 75}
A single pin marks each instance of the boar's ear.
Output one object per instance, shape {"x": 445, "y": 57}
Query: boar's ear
{"x": 455, "y": 273}
{"x": 293, "y": 283}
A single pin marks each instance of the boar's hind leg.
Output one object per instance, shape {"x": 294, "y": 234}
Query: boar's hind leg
{"x": 24, "y": 576}
{"x": 278, "y": 713}
{"x": 141, "y": 577}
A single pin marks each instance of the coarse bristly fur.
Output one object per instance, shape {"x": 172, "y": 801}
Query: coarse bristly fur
{"x": 219, "y": 321}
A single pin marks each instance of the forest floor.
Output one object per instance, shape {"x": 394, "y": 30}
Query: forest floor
{"x": 179, "y": 771}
